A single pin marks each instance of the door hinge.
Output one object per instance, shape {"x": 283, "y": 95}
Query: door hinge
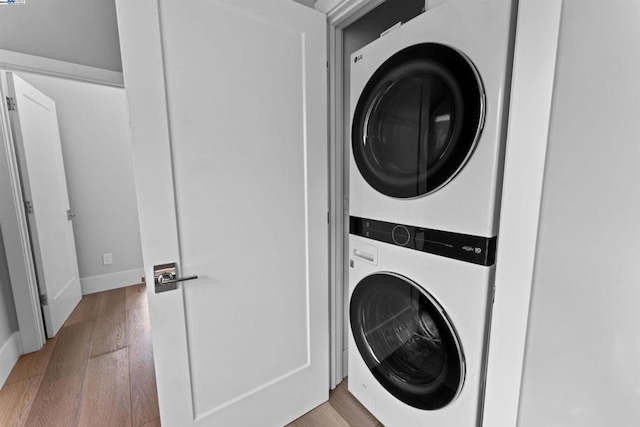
{"x": 328, "y": 217}
{"x": 11, "y": 103}
{"x": 44, "y": 300}
{"x": 28, "y": 206}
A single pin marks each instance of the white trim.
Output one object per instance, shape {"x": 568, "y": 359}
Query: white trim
{"x": 325, "y": 6}
{"x": 16, "y": 237}
{"x": 9, "y": 354}
{"x": 345, "y": 360}
{"x": 106, "y": 282}
{"x": 348, "y": 11}
{"x": 16, "y": 61}
{"x": 336, "y": 207}
{"x": 537, "y": 33}
{"x": 339, "y": 17}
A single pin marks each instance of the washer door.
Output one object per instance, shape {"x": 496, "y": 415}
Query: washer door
{"x": 407, "y": 341}
{"x": 418, "y": 120}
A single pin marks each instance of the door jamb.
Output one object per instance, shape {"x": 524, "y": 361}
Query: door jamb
{"x": 338, "y": 18}
{"x": 13, "y": 218}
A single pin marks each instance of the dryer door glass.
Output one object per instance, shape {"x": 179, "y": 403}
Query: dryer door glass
{"x": 417, "y": 121}
{"x": 407, "y": 341}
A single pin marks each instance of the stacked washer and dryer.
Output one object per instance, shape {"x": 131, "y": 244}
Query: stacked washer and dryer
{"x": 428, "y": 108}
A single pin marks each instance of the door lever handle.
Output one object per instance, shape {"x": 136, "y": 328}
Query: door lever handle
{"x": 166, "y": 277}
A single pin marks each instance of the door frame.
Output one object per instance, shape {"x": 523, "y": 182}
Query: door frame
{"x": 13, "y": 220}
{"x": 338, "y": 18}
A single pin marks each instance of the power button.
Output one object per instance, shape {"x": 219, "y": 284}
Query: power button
{"x": 400, "y": 235}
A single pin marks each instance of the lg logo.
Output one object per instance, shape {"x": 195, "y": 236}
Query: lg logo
{"x": 357, "y": 58}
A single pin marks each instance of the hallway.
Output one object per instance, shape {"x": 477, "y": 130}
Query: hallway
{"x": 97, "y": 371}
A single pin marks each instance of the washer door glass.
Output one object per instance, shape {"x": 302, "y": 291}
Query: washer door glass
{"x": 407, "y": 341}
{"x": 417, "y": 120}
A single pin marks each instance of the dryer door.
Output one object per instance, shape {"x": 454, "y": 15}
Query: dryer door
{"x": 418, "y": 120}
{"x": 407, "y": 341}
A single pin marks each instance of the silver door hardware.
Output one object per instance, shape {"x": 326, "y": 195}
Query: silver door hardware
{"x": 165, "y": 277}
{"x": 70, "y": 215}
{"x": 11, "y": 104}
{"x": 44, "y": 300}
{"x": 28, "y": 206}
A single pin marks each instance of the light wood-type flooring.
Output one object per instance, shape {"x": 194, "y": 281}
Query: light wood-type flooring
{"x": 342, "y": 410}
{"x": 98, "y": 371}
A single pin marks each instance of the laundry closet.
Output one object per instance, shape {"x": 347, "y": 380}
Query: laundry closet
{"x": 565, "y": 200}
{"x": 427, "y": 116}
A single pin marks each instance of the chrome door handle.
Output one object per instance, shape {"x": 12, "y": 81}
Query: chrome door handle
{"x": 166, "y": 279}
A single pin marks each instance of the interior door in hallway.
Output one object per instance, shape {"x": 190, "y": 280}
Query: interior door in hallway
{"x": 34, "y": 124}
{"x": 228, "y": 112}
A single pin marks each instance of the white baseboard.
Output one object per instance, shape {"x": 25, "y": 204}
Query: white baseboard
{"x": 9, "y": 353}
{"x": 345, "y": 362}
{"x": 106, "y": 282}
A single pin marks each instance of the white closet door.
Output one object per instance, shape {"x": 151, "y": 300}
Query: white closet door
{"x": 228, "y": 113}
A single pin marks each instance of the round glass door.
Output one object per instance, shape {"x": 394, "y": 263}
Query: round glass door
{"x": 417, "y": 121}
{"x": 407, "y": 341}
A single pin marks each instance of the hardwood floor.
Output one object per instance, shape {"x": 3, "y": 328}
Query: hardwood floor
{"x": 97, "y": 371}
{"x": 342, "y": 410}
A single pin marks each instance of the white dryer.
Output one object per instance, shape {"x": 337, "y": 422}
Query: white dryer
{"x": 428, "y": 108}
{"x": 417, "y": 346}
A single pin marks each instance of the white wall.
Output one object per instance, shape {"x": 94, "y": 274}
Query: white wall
{"x": 326, "y": 5}
{"x": 582, "y": 361}
{"x": 308, "y": 3}
{"x": 97, "y": 151}
{"x": 78, "y": 31}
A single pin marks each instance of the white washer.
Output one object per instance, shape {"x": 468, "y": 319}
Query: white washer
{"x": 418, "y": 335}
{"x": 428, "y": 107}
